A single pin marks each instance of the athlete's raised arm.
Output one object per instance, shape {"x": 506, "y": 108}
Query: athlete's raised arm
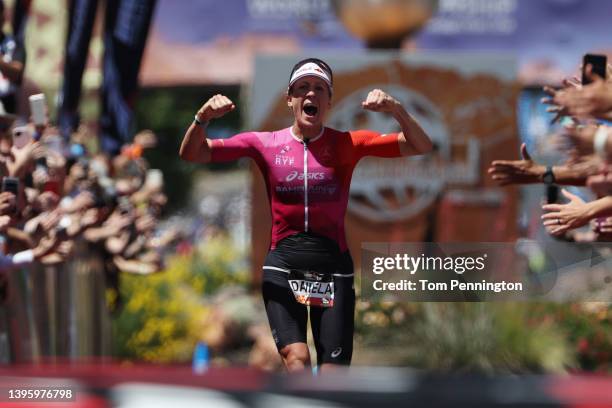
{"x": 196, "y": 146}
{"x": 412, "y": 140}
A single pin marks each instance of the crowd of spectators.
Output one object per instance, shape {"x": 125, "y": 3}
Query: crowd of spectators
{"x": 585, "y": 107}
{"x": 60, "y": 199}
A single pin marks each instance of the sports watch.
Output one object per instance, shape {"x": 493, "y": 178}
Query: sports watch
{"x": 549, "y": 177}
{"x": 198, "y": 122}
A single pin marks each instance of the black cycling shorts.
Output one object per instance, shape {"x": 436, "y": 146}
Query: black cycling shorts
{"x": 332, "y": 327}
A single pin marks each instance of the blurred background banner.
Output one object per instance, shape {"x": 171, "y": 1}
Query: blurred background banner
{"x": 465, "y": 102}
{"x": 548, "y": 37}
{"x": 196, "y": 41}
{"x": 210, "y": 42}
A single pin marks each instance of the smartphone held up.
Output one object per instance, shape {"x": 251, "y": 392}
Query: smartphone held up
{"x": 38, "y": 109}
{"x": 11, "y": 185}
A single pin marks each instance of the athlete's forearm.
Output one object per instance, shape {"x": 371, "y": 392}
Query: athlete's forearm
{"x": 413, "y": 140}
{"x": 195, "y": 146}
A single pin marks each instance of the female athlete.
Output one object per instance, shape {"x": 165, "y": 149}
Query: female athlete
{"x": 307, "y": 168}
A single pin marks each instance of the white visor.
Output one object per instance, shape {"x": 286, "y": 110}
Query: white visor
{"x": 310, "y": 69}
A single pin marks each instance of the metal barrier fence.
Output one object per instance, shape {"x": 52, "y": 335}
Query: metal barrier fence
{"x": 58, "y": 311}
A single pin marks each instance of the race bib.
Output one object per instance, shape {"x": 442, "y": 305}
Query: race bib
{"x": 312, "y": 288}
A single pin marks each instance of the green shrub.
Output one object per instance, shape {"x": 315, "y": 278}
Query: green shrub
{"x": 164, "y": 314}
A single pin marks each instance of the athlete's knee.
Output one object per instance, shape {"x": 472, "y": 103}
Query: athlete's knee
{"x": 295, "y": 356}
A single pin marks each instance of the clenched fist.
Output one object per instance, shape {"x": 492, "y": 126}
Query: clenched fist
{"x": 215, "y": 107}
{"x": 380, "y": 101}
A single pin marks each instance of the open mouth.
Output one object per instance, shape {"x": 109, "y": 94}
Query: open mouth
{"x": 310, "y": 110}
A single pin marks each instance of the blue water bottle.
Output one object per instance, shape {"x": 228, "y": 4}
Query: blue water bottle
{"x": 201, "y": 358}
